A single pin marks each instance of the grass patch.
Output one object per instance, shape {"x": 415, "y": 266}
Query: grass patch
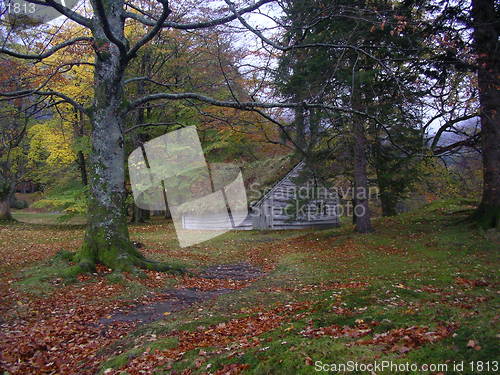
{"x": 39, "y": 279}
{"x": 425, "y": 268}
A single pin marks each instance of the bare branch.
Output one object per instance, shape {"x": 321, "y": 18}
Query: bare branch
{"x": 470, "y": 142}
{"x": 283, "y": 129}
{"x": 47, "y": 53}
{"x": 24, "y": 93}
{"x": 71, "y": 14}
{"x": 198, "y": 25}
{"x": 209, "y": 100}
{"x": 151, "y": 34}
{"x": 447, "y": 125}
{"x": 128, "y": 130}
{"x": 147, "y": 79}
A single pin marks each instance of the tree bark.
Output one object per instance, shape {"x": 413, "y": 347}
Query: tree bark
{"x": 361, "y": 208}
{"x": 360, "y": 161}
{"x": 300, "y": 131}
{"x": 388, "y": 199}
{"x": 106, "y": 238}
{"x": 6, "y": 193}
{"x": 5, "y": 214}
{"x": 387, "y": 202}
{"x": 486, "y": 33}
{"x": 138, "y": 138}
{"x": 139, "y": 215}
{"x": 82, "y": 165}
{"x": 166, "y": 214}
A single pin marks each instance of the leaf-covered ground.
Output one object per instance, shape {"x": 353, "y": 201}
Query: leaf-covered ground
{"x": 422, "y": 289}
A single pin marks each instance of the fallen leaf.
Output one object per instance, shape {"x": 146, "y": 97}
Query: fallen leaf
{"x": 471, "y": 344}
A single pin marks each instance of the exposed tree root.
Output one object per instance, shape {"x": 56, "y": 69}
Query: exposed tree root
{"x": 119, "y": 254}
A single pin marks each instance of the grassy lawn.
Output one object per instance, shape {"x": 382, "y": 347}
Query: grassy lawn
{"x": 29, "y": 217}
{"x": 421, "y": 290}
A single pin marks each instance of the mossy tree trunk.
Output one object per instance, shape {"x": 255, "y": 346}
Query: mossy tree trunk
{"x": 106, "y": 238}
{"x": 486, "y": 33}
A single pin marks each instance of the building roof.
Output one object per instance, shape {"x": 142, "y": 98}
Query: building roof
{"x": 296, "y": 168}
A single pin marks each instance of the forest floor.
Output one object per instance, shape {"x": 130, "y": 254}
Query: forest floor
{"x": 422, "y": 290}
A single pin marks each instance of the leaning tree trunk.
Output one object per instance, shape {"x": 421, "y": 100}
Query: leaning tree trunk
{"x": 486, "y": 33}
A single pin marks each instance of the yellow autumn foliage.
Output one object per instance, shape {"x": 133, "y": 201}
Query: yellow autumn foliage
{"x": 51, "y": 142}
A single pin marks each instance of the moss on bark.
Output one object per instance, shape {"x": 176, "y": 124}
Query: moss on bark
{"x": 106, "y": 239}
{"x": 117, "y": 253}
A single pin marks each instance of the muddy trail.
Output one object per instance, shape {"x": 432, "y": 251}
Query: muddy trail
{"x": 177, "y": 299}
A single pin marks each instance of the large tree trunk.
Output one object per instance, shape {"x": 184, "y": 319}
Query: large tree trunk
{"x": 107, "y": 239}
{"x": 486, "y": 33}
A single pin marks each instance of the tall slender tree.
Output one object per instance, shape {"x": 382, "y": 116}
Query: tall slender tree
{"x": 361, "y": 77}
{"x": 486, "y": 26}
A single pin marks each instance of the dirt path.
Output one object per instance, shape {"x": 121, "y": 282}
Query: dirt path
{"x": 181, "y": 298}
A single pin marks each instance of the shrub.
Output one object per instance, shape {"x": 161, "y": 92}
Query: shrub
{"x": 71, "y": 200}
